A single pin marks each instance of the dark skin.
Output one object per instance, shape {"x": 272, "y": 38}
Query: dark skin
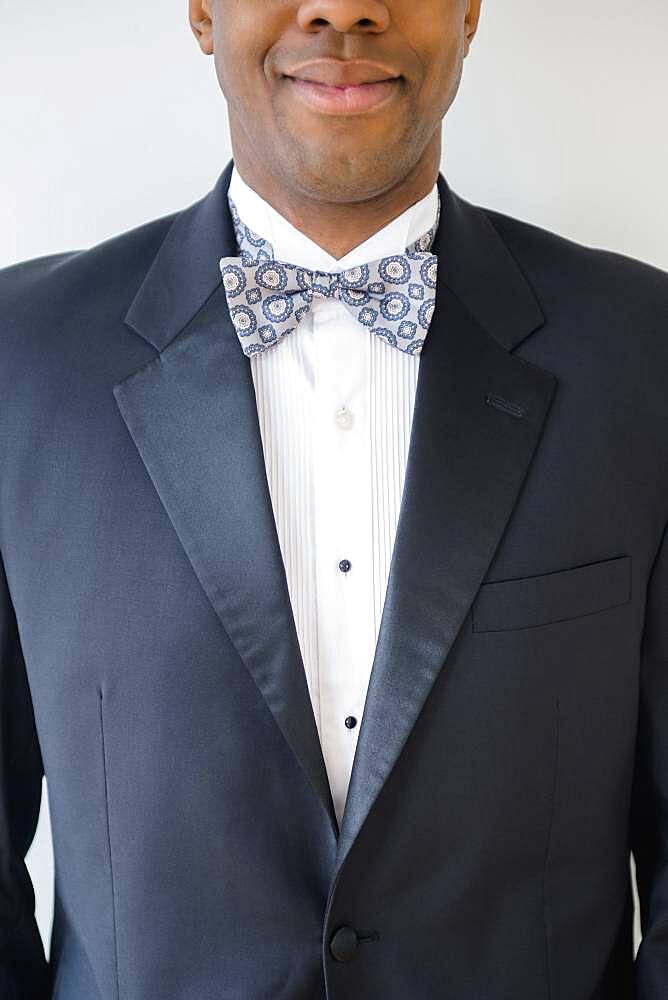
{"x": 338, "y": 178}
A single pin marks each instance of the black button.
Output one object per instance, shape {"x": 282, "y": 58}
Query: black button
{"x": 343, "y": 945}
{"x": 351, "y": 722}
{"x": 345, "y": 565}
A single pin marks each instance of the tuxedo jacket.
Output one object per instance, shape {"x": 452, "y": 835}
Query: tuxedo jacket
{"x": 513, "y": 751}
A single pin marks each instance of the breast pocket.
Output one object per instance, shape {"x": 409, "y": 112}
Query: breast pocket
{"x": 527, "y": 601}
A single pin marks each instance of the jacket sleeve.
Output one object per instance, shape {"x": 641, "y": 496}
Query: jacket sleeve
{"x": 649, "y": 812}
{"x": 24, "y": 972}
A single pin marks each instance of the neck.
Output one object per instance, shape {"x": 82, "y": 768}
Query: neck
{"x": 338, "y": 226}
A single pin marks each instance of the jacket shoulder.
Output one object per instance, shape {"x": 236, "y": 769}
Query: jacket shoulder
{"x": 605, "y": 312}
{"x": 552, "y": 259}
{"x": 42, "y": 289}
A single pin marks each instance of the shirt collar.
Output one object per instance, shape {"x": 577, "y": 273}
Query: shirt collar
{"x": 290, "y": 244}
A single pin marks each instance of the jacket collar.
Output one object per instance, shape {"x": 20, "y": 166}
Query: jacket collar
{"x": 473, "y": 262}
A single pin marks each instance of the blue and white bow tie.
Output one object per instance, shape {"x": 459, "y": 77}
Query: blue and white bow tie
{"x": 392, "y": 297}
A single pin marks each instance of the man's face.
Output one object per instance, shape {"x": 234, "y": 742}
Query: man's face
{"x": 336, "y": 144}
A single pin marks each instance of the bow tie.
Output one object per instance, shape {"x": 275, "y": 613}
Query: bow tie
{"x": 392, "y": 297}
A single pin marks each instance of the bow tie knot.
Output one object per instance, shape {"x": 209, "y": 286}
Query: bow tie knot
{"x": 393, "y": 297}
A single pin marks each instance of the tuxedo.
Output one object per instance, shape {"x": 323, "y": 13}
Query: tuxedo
{"x": 512, "y": 752}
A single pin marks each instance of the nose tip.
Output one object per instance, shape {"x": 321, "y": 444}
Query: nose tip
{"x": 344, "y": 15}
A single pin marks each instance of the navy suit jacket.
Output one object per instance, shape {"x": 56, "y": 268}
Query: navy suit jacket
{"x": 513, "y": 749}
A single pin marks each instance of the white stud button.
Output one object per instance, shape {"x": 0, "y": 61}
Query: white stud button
{"x": 343, "y": 417}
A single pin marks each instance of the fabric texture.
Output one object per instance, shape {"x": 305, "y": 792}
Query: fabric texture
{"x": 392, "y": 296}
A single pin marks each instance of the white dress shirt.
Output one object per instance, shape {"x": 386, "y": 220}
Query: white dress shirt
{"x": 335, "y": 407}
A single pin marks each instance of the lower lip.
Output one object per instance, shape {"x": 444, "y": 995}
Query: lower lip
{"x": 344, "y": 100}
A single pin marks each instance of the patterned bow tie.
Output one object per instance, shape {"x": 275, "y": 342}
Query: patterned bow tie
{"x": 392, "y": 297}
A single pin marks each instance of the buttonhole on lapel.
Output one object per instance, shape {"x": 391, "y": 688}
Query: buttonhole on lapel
{"x": 515, "y": 410}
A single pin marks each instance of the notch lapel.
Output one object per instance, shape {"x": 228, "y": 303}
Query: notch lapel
{"x": 478, "y": 418}
{"x": 192, "y": 414}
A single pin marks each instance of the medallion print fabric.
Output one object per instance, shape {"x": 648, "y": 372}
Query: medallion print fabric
{"x": 392, "y": 297}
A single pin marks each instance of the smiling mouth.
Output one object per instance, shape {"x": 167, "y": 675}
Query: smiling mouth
{"x": 344, "y": 98}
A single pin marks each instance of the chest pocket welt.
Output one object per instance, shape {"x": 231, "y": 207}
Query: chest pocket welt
{"x": 552, "y": 597}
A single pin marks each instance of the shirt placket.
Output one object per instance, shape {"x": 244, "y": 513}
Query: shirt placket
{"x": 343, "y": 533}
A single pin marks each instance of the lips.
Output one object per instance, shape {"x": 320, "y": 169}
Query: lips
{"x": 343, "y": 87}
{"x": 342, "y": 73}
{"x": 344, "y": 99}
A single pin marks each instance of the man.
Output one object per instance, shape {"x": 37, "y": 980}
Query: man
{"x": 335, "y": 572}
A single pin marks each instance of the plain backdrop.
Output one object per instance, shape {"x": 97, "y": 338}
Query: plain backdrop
{"x": 110, "y": 116}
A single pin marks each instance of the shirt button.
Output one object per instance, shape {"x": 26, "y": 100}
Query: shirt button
{"x": 343, "y": 417}
{"x": 345, "y": 565}
{"x": 351, "y": 722}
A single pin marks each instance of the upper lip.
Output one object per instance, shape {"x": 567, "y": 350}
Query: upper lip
{"x": 340, "y": 73}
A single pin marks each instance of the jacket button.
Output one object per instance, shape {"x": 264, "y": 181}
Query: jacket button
{"x": 343, "y": 945}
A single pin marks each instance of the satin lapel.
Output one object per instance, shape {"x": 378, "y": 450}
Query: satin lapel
{"x": 478, "y": 418}
{"x": 192, "y": 414}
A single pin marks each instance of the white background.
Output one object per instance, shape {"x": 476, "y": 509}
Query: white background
{"x": 110, "y": 116}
